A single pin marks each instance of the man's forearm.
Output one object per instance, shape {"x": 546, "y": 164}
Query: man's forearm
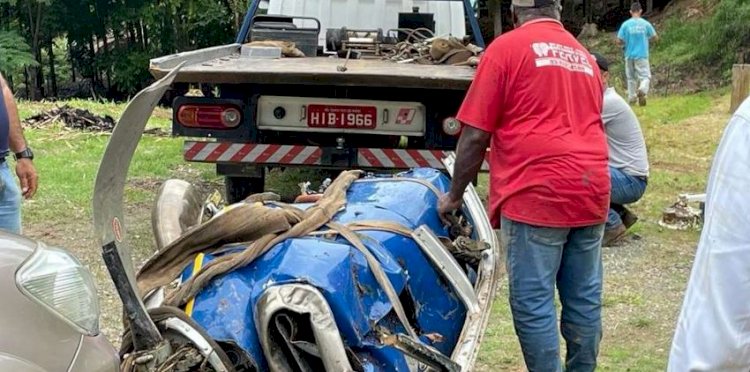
{"x": 472, "y": 147}
{"x": 16, "y": 139}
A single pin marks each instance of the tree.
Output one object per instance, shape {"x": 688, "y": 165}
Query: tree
{"x": 15, "y": 54}
{"x": 109, "y": 42}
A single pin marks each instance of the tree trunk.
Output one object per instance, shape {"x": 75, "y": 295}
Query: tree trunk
{"x": 92, "y": 52}
{"x": 40, "y": 74}
{"x": 35, "y": 73}
{"x": 72, "y": 62}
{"x": 34, "y": 93}
{"x": 26, "y": 82}
{"x": 144, "y": 34}
{"x": 141, "y": 35}
{"x": 175, "y": 28}
{"x": 496, "y": 13}
{"x": 131, "y": 35}
{"x": 109, "y": 63}
{"x": 52, "y": 74}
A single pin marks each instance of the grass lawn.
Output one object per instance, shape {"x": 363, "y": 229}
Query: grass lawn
{"x": 644, "y": 281}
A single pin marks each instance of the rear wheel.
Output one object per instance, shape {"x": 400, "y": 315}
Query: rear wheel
{"x": 239, "y": 188}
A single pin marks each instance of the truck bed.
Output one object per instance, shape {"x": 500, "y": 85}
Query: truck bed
{"x": 223, "y": 65}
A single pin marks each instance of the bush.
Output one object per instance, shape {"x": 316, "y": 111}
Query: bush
{"x": 728, "y": 35}
{"x": 701, "y": 51}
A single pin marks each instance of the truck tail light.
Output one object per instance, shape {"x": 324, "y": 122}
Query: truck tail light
{"x": 209, "y": 116}
{"x": 451, "y": 126}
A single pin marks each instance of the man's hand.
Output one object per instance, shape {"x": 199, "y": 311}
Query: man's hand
{"x": 28, "y": 177}
{"x": 446, "y": 205}
{"x": 470, "y": 153}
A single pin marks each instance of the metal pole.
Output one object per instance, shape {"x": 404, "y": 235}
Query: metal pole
{"x": 474, "y": 23}
{"x": 242, "y": 34}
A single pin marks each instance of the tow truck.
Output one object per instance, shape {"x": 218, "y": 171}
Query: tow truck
{"x": 350, "y": 102}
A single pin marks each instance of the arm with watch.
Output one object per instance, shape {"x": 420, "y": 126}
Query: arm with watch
{"x": 24, "y": 156}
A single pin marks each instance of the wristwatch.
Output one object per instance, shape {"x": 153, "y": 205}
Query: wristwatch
{"x": 25, "y": 154}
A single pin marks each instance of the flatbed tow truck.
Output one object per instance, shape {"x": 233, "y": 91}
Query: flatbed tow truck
{"x": 369, "y": 94}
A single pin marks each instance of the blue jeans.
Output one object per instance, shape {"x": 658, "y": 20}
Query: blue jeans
{"x": 626, "y": 189}
{"x": 10, "y": 201}
{"x": 540, "y": 258}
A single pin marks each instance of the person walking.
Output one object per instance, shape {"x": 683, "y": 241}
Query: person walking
{"x": 712, "y": 330}
{"x": 628, "y": 159}
{"x": 12, "y": 139}
{"x": 635, "y": 35}
{"x": 536, "y": 100}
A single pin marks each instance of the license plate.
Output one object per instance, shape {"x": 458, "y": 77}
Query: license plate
{"x": 336, "y": 116}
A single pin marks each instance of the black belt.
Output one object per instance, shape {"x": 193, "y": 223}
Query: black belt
{"x": 643, "y": 178}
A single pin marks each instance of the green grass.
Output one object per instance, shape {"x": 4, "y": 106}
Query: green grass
{"x": 678, "y": 42}
{"x": 67, "y": 161}
{"x": 675, "y": 109}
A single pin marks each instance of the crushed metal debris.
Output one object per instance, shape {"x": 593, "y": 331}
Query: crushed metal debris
{"x": 434, "y": 50}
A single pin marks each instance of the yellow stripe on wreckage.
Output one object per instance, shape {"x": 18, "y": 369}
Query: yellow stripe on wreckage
{"x": 197, "y": 266}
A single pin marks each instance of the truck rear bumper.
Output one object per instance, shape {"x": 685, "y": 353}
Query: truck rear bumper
{"x": 294, "y": 155}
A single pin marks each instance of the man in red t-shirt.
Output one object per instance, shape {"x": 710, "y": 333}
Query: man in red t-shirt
{"x": 536, "y": 101}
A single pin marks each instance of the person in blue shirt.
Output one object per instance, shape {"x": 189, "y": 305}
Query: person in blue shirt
{"x": 635, "y": 35}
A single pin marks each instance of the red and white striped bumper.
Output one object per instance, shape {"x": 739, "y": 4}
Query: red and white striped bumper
{"x": 224, "y": 152}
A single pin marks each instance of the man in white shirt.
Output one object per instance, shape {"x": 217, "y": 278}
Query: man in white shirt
{"x": 713, "y": 330}
{"x": 628, "y": 159}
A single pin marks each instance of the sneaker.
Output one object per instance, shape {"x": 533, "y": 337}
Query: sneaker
{"x": 628, "y": 218}
{"x": 614, "y": 235}
{"x": 641, "y": 98}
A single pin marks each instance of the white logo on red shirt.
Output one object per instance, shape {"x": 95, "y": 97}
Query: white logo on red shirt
{"x": 557, "y": 55}
{"x": 541, "y": 49}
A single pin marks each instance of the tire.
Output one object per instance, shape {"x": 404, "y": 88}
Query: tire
{"x": 239, "y": 188}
